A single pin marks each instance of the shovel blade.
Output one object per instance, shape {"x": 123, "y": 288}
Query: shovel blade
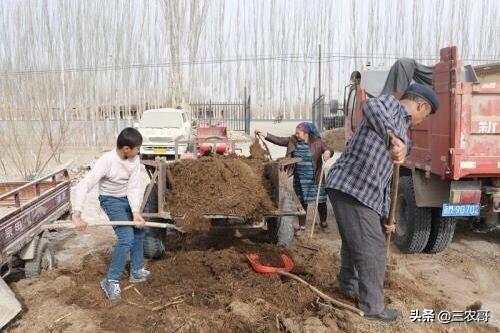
{"x": 253, "y": 258}
{"x": 9, "y": 305}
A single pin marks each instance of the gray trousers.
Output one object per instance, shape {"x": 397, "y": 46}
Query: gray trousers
{"x": 363, "y": 252}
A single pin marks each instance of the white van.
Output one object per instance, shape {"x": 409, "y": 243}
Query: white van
{"x": 160, "y": 128}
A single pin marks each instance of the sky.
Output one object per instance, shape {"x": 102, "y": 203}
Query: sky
{"x": 121, "y": 52}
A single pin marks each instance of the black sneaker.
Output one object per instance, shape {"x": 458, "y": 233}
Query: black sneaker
{"x": 386, "y": 315}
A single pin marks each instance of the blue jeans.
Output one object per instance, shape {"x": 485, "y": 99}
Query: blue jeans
{"x": 129, "y": 239}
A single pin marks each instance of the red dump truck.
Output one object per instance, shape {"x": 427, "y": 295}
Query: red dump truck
{"x": 453, "y": 170}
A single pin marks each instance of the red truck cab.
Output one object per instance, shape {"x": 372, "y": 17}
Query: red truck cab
{"x": 453, "y": 170}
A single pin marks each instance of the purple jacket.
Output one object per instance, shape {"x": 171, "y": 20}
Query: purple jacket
{"x": 316, "y": 145}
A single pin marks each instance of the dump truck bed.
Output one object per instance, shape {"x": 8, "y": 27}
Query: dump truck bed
{"x": 479, "y": 126}
{"x": 462, "y": 140}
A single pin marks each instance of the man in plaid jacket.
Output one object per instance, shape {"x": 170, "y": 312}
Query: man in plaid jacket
{"x": 358, "y": 186}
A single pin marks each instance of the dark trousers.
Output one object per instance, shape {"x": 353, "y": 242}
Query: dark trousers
{"x": 321, "y": 212}
{"x": 363, "y": 252}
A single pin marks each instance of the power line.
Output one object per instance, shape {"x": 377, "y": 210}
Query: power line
{"x": 294, "y": 58}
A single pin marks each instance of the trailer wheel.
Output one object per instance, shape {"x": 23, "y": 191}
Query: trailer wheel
{"x": 442, "y": 231}
{"x": 272, "y": 229}
{"x": 280, "y": 230}
{"x": 413, "y": 224}
{"x": 154, "y": 246}
{"x": 43, "y": 260}
{"x": 154, "y": 240}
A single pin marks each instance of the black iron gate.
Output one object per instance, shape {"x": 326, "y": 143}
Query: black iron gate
{"x": 236, "y": 116}
{"x": 327, "y": 115}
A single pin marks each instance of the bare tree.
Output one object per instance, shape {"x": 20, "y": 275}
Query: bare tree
{"x": 76, "y": 73}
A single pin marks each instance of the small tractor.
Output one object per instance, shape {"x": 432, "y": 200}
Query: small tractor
{"x": 211, "y": 138}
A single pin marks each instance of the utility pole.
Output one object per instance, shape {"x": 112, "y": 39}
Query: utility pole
{"x": 319, "y": 71}
{"x": 319, "y": 115}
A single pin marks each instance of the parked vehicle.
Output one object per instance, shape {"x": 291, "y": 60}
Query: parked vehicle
{"x": 161, "y": 128}
{"x": 211, "y": 138}
{"x": 24, "y": 208}
{"x": 453, "y": 171}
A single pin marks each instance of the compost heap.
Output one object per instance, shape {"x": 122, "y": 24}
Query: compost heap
{"x": 219, "y": 185}
{"x": 335, "y": 139}
{"x": 205, "y": 284}
{"x": 257, "y": 152}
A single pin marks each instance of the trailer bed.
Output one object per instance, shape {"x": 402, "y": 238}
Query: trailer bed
{"x": 284, "y": 197}
{"x": 25, "y": 206}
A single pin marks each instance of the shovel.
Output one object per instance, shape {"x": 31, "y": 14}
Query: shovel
{"x": 63, "y": 224}
{"x": 253, "y": 258}
{"x": 265, "y": 146}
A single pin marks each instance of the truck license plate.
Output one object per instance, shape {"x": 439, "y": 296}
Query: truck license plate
{"x": 160, "y": 150}
{"x": 460, "y": 210}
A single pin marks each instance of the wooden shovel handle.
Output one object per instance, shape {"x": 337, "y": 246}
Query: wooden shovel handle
{"x": 265, "y": 146}
{"x": 339, "y": 304}
{"x": 394, "y": 200}
{"x": 322, "y": 174}
{"x": 71, "y": 225}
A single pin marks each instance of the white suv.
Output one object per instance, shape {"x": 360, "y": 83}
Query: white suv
{"x": 160, "y": 128}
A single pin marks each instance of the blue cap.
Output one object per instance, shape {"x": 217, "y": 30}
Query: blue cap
{"x": 425, "y": 92}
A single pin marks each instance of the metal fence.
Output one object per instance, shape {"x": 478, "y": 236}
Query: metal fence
{"x": 236, "y": 116}
{"x": 325, "y": 115}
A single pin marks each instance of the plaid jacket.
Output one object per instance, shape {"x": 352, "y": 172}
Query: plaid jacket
{"x": 364, "y": 170}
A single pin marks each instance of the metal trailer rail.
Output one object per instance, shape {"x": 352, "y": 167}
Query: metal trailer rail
{"x": 160, "y": 177}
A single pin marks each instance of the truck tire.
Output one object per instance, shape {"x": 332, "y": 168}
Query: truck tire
{"x": 280, "y": 230}
{"x": 154, "y": 240}
{"x": 413, "y": 224}
{"x": 154, "y": 243}
{"x": 442, "y": 231}
{"x": 43, "y": 260}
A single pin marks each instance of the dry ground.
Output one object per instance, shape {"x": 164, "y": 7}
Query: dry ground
{"x": 204, "y": 284}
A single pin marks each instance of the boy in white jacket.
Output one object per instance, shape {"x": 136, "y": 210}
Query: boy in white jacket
{"x": 118, "y": 173}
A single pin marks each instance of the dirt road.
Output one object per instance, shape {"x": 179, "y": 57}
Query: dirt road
{"x": 204, "y": 284}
